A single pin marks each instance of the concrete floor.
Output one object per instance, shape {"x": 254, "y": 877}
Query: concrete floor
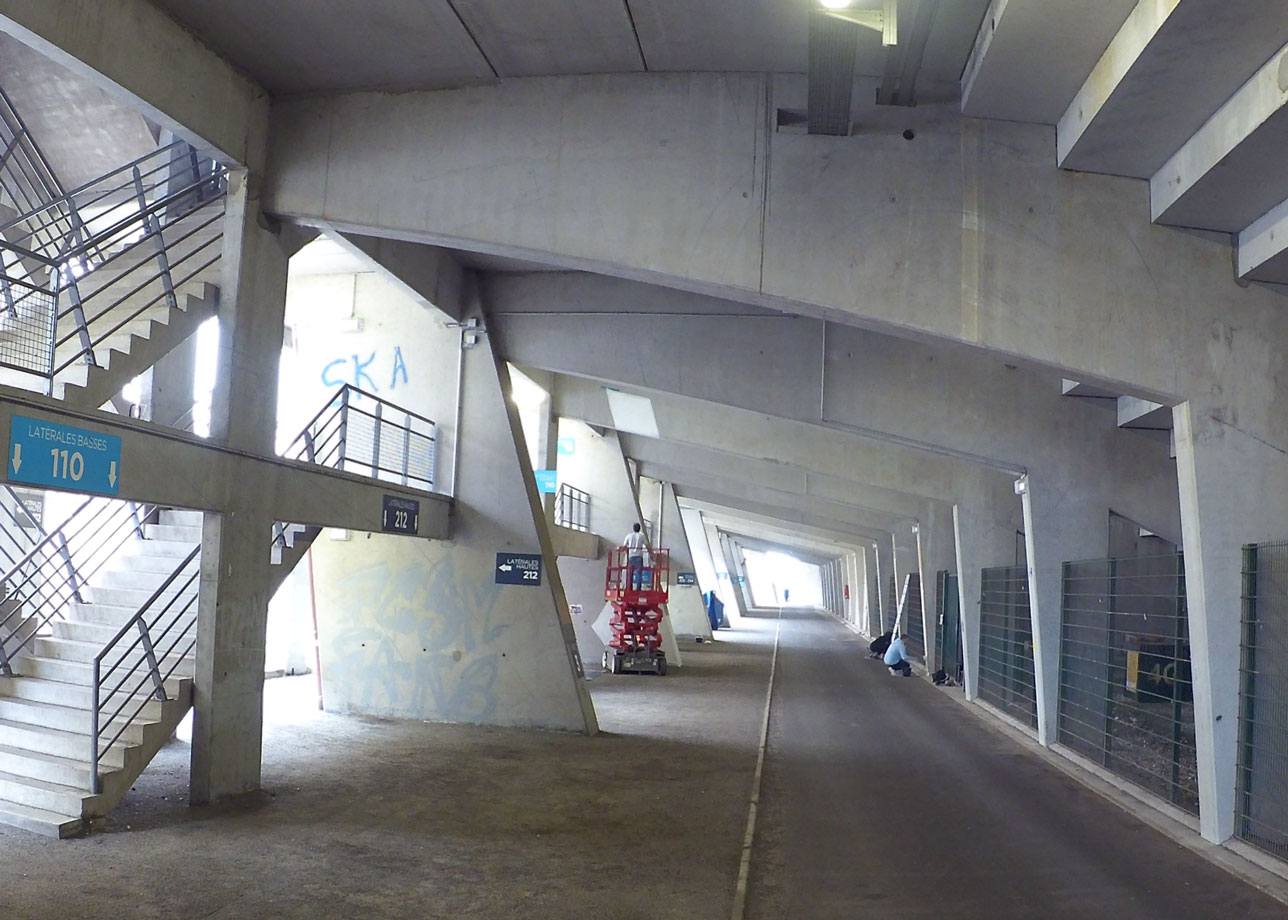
{"x": 882, "y": 797}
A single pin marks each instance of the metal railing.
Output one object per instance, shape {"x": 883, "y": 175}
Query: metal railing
{"x": 1006, "y": 678}
{"x": 912, "y": 626}
{"x": 49, "y": 577}
{"x": 358, "y": 432}
{"x": 1261, "y": 803}
{"x": 572, "y": 508}
{"x": 129, "y": 676}
{"x": 26, "y": 177}
{"x": 83, "y": 271}
{"x": 1126, "y": 697}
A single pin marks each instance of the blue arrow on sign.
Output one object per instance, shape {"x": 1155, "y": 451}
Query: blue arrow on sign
{"x": 63, "y": 457}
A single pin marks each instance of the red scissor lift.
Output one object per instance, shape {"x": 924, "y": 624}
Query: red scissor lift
{"x": 637, "y": 594}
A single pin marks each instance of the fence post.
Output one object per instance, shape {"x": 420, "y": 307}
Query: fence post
{"x": 1111, "y": 618}
{"x": 153, "y": 228}
{"x": 151, "y": 656}
{"x": 344, "y": 424}
{"x": 1248, "y": 700}
{"x": 72, "y": 577}
{"x": 406, "y": 450}
{"x": 94, "y": 704}
{"x": 375, "y": 447}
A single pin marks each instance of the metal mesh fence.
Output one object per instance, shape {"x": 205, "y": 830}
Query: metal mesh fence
{"x": 1006, "y": 644}
{"x": 26, "y": 326}
{"x": 386, "y": 443}
{"x": 1262, "y": 801}
{"x": 1126, "y": 698}
{"x": 914, "y": 633}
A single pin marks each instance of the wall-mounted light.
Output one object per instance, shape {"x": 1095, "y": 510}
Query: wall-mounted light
{"x": 916, "y": 528}
{"x": 1022, "y": 485}
{"x": 884, "y": 20}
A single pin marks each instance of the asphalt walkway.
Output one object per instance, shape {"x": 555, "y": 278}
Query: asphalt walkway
{"x": 884, "y": 797}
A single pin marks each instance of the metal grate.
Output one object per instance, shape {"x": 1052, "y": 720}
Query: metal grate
{"x": 26, "y": 326}
{"x": 949, "y": 619}
{"x": 914, "y": 632}
{"x": 1262, "y": 801}
{"x": 572, "y": 508}
{"x": 1126, "y": 697}
{"x": 1006, "y": 644}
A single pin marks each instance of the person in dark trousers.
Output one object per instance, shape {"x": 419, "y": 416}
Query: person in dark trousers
{"x": 896, "y": 659}
{"x": 635, "y": 544}
{"x": 878, "y": 646}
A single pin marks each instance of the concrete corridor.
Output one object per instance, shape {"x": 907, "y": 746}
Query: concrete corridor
{"x": 883, "y": 798}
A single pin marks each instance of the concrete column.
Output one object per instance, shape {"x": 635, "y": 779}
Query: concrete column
{"x": 881, "y": 563}
{"x": 700, "y": 550}
{"x": 734, "y": 570}
{"x": 904, "y": 553}
{"x": 234, "y": 596}
{"x": 168, "y": 395}
{"x": 939, "y": 554}
{"x": 1233, "y": 491}
{"x": 688, "y": 616}
{"x": 1062, "y": 523}
{"x": 984, "y": 538}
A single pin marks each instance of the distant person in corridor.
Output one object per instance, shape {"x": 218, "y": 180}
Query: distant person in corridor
{"x": 896, "y": 658}
{"x": 634, "y": 545}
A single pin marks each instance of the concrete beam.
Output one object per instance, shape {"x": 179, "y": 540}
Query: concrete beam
{"x": 132, "y": 50}
{"x": 690, "y": 191}
{"x": 430, "y": 276}
{"x": 1205, "y": 183}
{"x": 299, "y": 492}
{"x": 1137, "y": 106}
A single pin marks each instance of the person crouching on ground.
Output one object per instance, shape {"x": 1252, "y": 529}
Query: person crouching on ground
{"x": 896, "y": 658}
{"x": 877, "y": 648}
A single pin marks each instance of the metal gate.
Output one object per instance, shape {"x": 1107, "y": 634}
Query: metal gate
{"x": 1006, "y": 644}
{"x": 914, "y": 631}
{"x": 1126, "y": 698}
{"x": 1261, "y": 805}
{"x": 949, "y": 619}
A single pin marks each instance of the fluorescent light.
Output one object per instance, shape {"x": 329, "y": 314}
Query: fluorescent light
{"x": 835, "y": 4}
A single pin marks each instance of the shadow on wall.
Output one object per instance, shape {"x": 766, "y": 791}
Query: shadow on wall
{"x": 389, "y": 656}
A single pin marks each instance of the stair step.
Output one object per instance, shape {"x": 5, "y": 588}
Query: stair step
{"x": 71, "y": 745}
{"x": 66, "y": 771}
{"x": 181, "y": 518}
{"x": 77, "y": 696}
{"x": 68, "y": 719}
{"x": 33, "y": 792}
{"x": 73, "y": 650}
{"x": 136, "y": 579}
{"x": 116, "y": 616}
{"x": 135, "y": 598}
{"x": 176, "y": 532}
{"x": 77, "y": 672}
{"x": 179, "y": 548}
{"x": 163, "y": 565}
{"x": 39, "y": 820}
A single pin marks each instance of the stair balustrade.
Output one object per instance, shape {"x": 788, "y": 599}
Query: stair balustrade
{"x": 84, "y": 271}
{"x": 572, "y": 508}
{"x": 27, "y": 180}
{"x": 44, "y": 581}
{"x": 358, "y": 432}
{"x": 128, "y": 676}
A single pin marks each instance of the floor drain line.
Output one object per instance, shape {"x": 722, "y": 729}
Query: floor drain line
{"x": 749, "y": 838}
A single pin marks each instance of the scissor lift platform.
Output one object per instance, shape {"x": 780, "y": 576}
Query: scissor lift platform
{"x": 637, "y": 594}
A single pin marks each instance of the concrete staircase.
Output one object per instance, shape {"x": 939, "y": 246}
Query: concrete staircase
{"x": 129, "y": 337}
{"x": 45, "y": 718}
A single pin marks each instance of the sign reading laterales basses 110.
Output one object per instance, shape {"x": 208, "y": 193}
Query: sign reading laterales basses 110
{"x": 62, "y": 457}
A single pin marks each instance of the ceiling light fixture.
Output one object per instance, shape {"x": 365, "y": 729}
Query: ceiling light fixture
{"x": 884, "y": 20}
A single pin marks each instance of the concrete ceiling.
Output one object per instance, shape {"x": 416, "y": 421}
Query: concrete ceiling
{"x": 304, "y": 46}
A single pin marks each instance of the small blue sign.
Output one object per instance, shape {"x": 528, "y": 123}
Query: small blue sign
{"x": 547, "y": 482}
{"x": 518, "y": 569}
{"x": 49, "y": 454}
{"x": 723, "y": 576}
{"x": 567, "y": 446}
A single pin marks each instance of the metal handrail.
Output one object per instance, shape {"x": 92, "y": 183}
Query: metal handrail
{"x": 157, "y": 672}
{"x": 572, "y": 508}
{"x": 332, "y": 439}
{"x": 24, "y": 169}
{"x": 49, "y": 577}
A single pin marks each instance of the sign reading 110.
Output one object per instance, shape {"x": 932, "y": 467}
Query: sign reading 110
{"x": 78, "y": 459}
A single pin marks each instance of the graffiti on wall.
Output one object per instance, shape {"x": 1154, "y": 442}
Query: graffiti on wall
{"x": 420, "y": 639}
{"x": 365, "y": 373}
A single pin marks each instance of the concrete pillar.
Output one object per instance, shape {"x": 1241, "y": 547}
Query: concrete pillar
{"x": 1233, "y": 491}
{"x": 938, "y": 554}
{"x": 732, "y": 568}
{"x": 168, "y": 386}
{"x": 984, "y": 538}
{"x": 234, "y": 596}
{"x": 1062, "y": 523}
{"x": 700, "y": 550}
{"x": 688, "y": 616}
{"x": 904, "y": 553}
{"x": 880, "y": 556}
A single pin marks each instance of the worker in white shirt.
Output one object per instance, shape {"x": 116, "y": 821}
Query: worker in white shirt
{"x": 635, "y": 545}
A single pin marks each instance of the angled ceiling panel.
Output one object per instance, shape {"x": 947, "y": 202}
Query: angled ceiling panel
{"x": 724, "y": 35}
{"x": 298, "y": 46}
{"x": 538, "y": 39}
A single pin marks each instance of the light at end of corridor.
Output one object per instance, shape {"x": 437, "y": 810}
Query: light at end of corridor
{"x": 835, "y": 4}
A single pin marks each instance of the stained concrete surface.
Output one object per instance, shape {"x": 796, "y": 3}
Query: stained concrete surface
{"x": 884, "y": 798}
{"x": 401, "y": 820}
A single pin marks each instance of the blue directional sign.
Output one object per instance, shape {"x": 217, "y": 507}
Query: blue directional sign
{"x": 547, "y": 481}
{"x": 567, "y": 446}
{"x": 49, "y": 454}
{"x": 518, "y": 569}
